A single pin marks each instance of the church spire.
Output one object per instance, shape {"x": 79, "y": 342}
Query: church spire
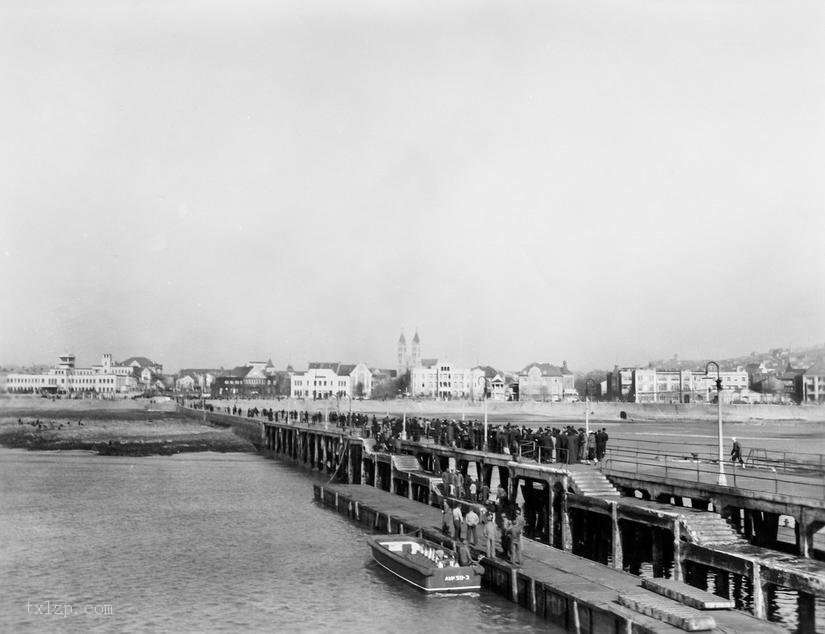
{"x": 416, "y": 351}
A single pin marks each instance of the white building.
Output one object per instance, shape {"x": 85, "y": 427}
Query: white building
{"x": 66, "y": 378}
{"x": 546, "y": 382}
{"x": 440, "y": 379}
{"x": 686, "y": 386}
{"x": 328, "y": 380}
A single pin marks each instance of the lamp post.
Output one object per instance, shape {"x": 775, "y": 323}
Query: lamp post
{"x": 722, "y": 481}
{"x": 404, "y": 424}
{"x": 587, "y": 406}
{"x": 485, "y": 443}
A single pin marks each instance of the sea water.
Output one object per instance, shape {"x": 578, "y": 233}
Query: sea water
{"x": 201, "y": 542}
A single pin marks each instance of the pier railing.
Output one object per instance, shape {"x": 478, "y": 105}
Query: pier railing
{"x": 778, "y": 473}
{"x": 796, "y": 462}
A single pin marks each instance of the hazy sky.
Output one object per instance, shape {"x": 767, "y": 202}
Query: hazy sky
{"x": 209, "y": 182}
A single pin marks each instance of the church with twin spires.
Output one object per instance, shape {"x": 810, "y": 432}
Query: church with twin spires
{"x": 407, "y": 360}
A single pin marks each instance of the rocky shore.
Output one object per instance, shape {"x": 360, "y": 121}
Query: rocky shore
{"x": 121, "y": 432}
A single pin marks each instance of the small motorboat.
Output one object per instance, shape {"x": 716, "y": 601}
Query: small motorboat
{"x": 425, "y": 564}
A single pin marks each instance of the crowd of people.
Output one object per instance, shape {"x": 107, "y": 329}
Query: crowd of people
{"x": 484, "y": 524}
{"x": 488, "y": 519}
{"x": 566, "y": 445}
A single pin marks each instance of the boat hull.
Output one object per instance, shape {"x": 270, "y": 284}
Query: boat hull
{"x": 420, "y": 572}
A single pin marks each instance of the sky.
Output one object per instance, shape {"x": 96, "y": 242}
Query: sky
{"x": 211, "y": 182}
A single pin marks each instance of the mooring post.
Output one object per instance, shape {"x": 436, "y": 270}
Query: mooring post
{"x": 514, "y": 584}
{"x": 577, "y": 626}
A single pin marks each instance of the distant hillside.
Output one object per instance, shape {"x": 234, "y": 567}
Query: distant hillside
{"x": 775, "y": 359}
{"x": 24, "y": 369}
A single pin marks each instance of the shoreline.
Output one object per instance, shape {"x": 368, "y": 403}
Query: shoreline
{"x": 117, "y": 434}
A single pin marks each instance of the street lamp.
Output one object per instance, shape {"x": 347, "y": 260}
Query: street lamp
{"x": 587, "y": 406}
{"x": 484, "y": 444}
{"x": 722, "y": 481}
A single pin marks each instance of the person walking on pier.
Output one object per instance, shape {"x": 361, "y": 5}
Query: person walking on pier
{"x": 736, "y": 453}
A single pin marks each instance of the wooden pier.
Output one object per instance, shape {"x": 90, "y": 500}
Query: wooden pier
{"x": 573, "y": 592}
{"x": 576, "y": 510}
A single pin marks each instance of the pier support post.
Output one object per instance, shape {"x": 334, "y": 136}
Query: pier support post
{"x": 658, "y": 552}
{"x": 806, "y": 612}
{"x": 759, "y": 610}
{"x": 677, "y": 551}
{"x": 616, "y": 537}
{"x": 721, "y": 583}
{"x": 804, "y": 536}
{"x": 551, "y": 515}
{"x": 749, "y": 524}
{"x": 566, "y": 536}
{"x": 409, "y": 487}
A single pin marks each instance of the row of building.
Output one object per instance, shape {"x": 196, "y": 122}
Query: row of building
{"x": 419, "y": 377}
{"x": 749, "y": 384}
{"x": 132, "y": 375}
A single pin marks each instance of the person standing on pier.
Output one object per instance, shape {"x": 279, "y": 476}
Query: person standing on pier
{"x": 601, "y": 443}
{"x": 516, "y": 529}
{"x": 458, "y": 520}
{"x": 490, "y": 535}
{"x": 447, "y": 519}
{"x": 471, "y": 520}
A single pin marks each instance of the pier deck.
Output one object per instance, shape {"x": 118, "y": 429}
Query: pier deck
{"x": 585, "y": 582}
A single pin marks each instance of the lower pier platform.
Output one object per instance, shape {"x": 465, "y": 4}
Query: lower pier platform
{"x": 575, "y": 593}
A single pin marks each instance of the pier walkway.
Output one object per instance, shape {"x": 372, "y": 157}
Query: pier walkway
{"x": 550, "y": 580}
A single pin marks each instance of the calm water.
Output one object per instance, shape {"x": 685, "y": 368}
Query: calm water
{"x": 201, "y": 542}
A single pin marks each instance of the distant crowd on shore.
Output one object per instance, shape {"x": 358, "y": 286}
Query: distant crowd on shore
{"x": 44, "y": 425}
